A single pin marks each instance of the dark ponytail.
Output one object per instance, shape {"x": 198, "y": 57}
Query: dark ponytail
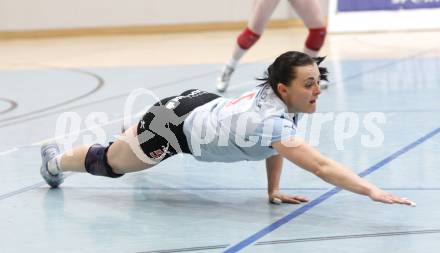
{"x": 282, "y": 70}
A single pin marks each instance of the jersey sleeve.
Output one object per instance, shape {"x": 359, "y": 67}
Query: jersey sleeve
{"x": 276, "y": 129}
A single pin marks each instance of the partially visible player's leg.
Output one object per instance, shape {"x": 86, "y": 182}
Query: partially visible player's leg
{"x": 261, "y": 12}
{"x": 311, "y": 13}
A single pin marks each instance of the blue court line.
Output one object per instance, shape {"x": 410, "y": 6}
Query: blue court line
{"x": 253, "y": 238}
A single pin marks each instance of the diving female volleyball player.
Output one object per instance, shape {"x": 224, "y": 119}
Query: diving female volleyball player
{"x": 259, "y": 125}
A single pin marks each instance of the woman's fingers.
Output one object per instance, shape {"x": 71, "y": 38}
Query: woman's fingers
{"x": 389, "y": 198}
{"x": 301, "y": 198}
{"x": 287, "y": 199}
{"x": 405, "y": 201}
{"x": 291, "y": 200}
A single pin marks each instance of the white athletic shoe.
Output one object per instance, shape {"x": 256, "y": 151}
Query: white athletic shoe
{"x": 223, "y": 80}
{"x": 48, "y": 152}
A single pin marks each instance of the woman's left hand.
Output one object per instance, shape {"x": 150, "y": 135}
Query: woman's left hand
{"x": 278, "y": 198}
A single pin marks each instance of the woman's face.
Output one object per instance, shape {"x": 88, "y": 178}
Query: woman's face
{"x": 302, "y": 93}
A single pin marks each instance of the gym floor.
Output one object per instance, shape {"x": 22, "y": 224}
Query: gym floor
{"x": 183, "y": 205}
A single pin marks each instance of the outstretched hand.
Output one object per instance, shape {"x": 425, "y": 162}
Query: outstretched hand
{"x": 278, "y": 198}
{"x": 388, "y": 198}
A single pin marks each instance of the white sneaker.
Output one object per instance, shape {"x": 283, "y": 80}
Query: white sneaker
{"x": 223, "y": 80}
{"x": 48, "y": 152}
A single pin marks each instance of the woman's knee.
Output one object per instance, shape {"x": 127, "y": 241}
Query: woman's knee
{"x": 97, "y": 163}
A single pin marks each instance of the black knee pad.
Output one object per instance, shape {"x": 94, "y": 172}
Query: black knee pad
{"x": 96, "y": 162}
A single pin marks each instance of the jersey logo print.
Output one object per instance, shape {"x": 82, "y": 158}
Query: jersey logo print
{"x": 235, "y": 101}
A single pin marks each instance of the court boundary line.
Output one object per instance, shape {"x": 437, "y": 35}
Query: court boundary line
{"x": 24, "y": 117}
{"x": 12, "y": 105}
{"x": 86, "y": 188}
{"x": 30, "y": 187}
{"x": 305, "y": 239}
{"x": 347, "y": 237}
{"x": 40, "y": 184}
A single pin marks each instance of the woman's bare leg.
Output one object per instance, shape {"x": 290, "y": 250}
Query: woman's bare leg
{"x": 310, "y": 12}
{"x": 121, "y": 156}
{"x": 261, "y": 12}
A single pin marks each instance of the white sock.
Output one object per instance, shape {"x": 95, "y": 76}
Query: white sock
{"x": 236, "y": 56}
{"x": 232, "y": 63}
{"x": 53, "y": 165}
{"x": 310, "y": 52}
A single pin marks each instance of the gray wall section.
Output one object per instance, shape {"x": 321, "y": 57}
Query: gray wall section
{"x": 19, "y": 15}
